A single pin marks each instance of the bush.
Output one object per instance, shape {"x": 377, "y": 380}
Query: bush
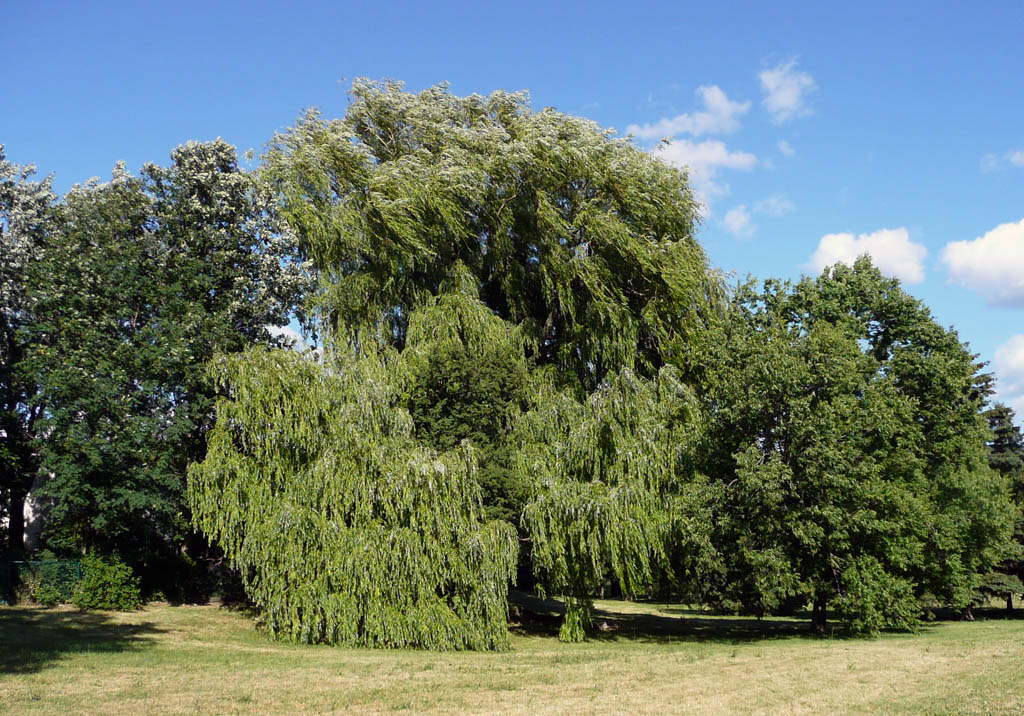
{"x": 49, "y": 595}
{"x": 107, "y": 584}
{"x": 874, "y": 599}
{"x": 47, "y": 582}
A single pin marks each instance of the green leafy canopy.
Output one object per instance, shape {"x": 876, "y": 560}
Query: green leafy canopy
{"x": 578, "y": 238}
{"x": 481, "y": 265}
{"x": 849, "y": 448}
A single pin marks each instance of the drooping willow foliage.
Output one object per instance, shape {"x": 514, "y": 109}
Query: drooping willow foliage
{"x": 456, "y": 319}
{"x": 346, "y": 530}
{"x": 580, "y": 238}
{"x": 616, "y": 496}
{"x": 474, "y": 229}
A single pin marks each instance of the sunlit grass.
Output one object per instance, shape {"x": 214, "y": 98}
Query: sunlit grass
{"x": 648, "y": 659}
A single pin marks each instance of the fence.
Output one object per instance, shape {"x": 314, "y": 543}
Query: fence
{"x": 45, "y": 582}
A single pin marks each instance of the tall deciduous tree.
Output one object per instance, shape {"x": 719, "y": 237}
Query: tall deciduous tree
{"x": 421, "y": 212}
{"x": 144, "y": 279}
{"x": 26, "y": 213}
{"x": 1006, "y": 455}
{"x": 850, "y": 449}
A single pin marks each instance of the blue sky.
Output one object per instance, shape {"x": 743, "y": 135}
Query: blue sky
{"x": 814, "y": 131}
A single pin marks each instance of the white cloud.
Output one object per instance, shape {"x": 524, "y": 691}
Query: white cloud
{"x": 776, "y": 205}
{"x": 1009, "y": 370}
{"x": 704, "y": 160}
{"x": 786, "y": 148}
{"x": 891, "y": 250}
{"x": 992, "y": 265}
{"x": 737, "y": 222}
{"x": 991, "y": 161}
{"x": 720, "y": 116}
{"x": 785, "y": 89}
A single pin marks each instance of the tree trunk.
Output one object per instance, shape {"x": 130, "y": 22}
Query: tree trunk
{"x": 16, "y": 521}
{"x": 1009, "y": 601}
{"x": 967, "y": 614}
{"x": 819, "y": 615}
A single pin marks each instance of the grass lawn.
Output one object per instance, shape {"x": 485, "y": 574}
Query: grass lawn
{"x": 651, "y": 659}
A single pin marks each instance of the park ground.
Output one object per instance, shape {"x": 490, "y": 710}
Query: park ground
{"x": 645, "y": 659}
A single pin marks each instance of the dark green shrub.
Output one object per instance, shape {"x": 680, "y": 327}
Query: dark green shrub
{"x": 107, "y": 584}
{"x": 47, "y": 582}
{"x": 58, "y": 581}
{"x": 48, "y": 594}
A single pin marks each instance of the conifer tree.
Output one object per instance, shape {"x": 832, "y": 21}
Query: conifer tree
{"x": 1006, "y": 455}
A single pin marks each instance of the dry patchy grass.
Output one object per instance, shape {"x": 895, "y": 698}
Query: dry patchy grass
{"x": 651, "y": 660}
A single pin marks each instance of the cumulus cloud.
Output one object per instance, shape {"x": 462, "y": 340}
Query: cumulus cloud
{"x": 720, "y": 116}
{"x": 786, "y": 148}
{"x": 737, "y": 222}
{"x": 891, "y": 250}
{"x": 785, "y": 90}
{"x": 704, "y": 160}
{"x": 992, "y": 265}
{"x": 1009, "y": 370}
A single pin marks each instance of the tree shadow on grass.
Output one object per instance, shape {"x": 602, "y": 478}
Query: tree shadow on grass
{"x": 33, "y": 638}
{"x": 978, "y": 614}
{"x": 533, "y": 616}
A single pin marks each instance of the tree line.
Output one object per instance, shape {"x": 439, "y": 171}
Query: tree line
{"x": 527, "y": 372}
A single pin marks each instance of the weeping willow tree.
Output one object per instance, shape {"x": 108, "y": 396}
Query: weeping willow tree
{"x": 616, "y": 494}
{"x": 346, "y": 530}
{"x": 577, "y": 236}
{"x": 467, "y": 229}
